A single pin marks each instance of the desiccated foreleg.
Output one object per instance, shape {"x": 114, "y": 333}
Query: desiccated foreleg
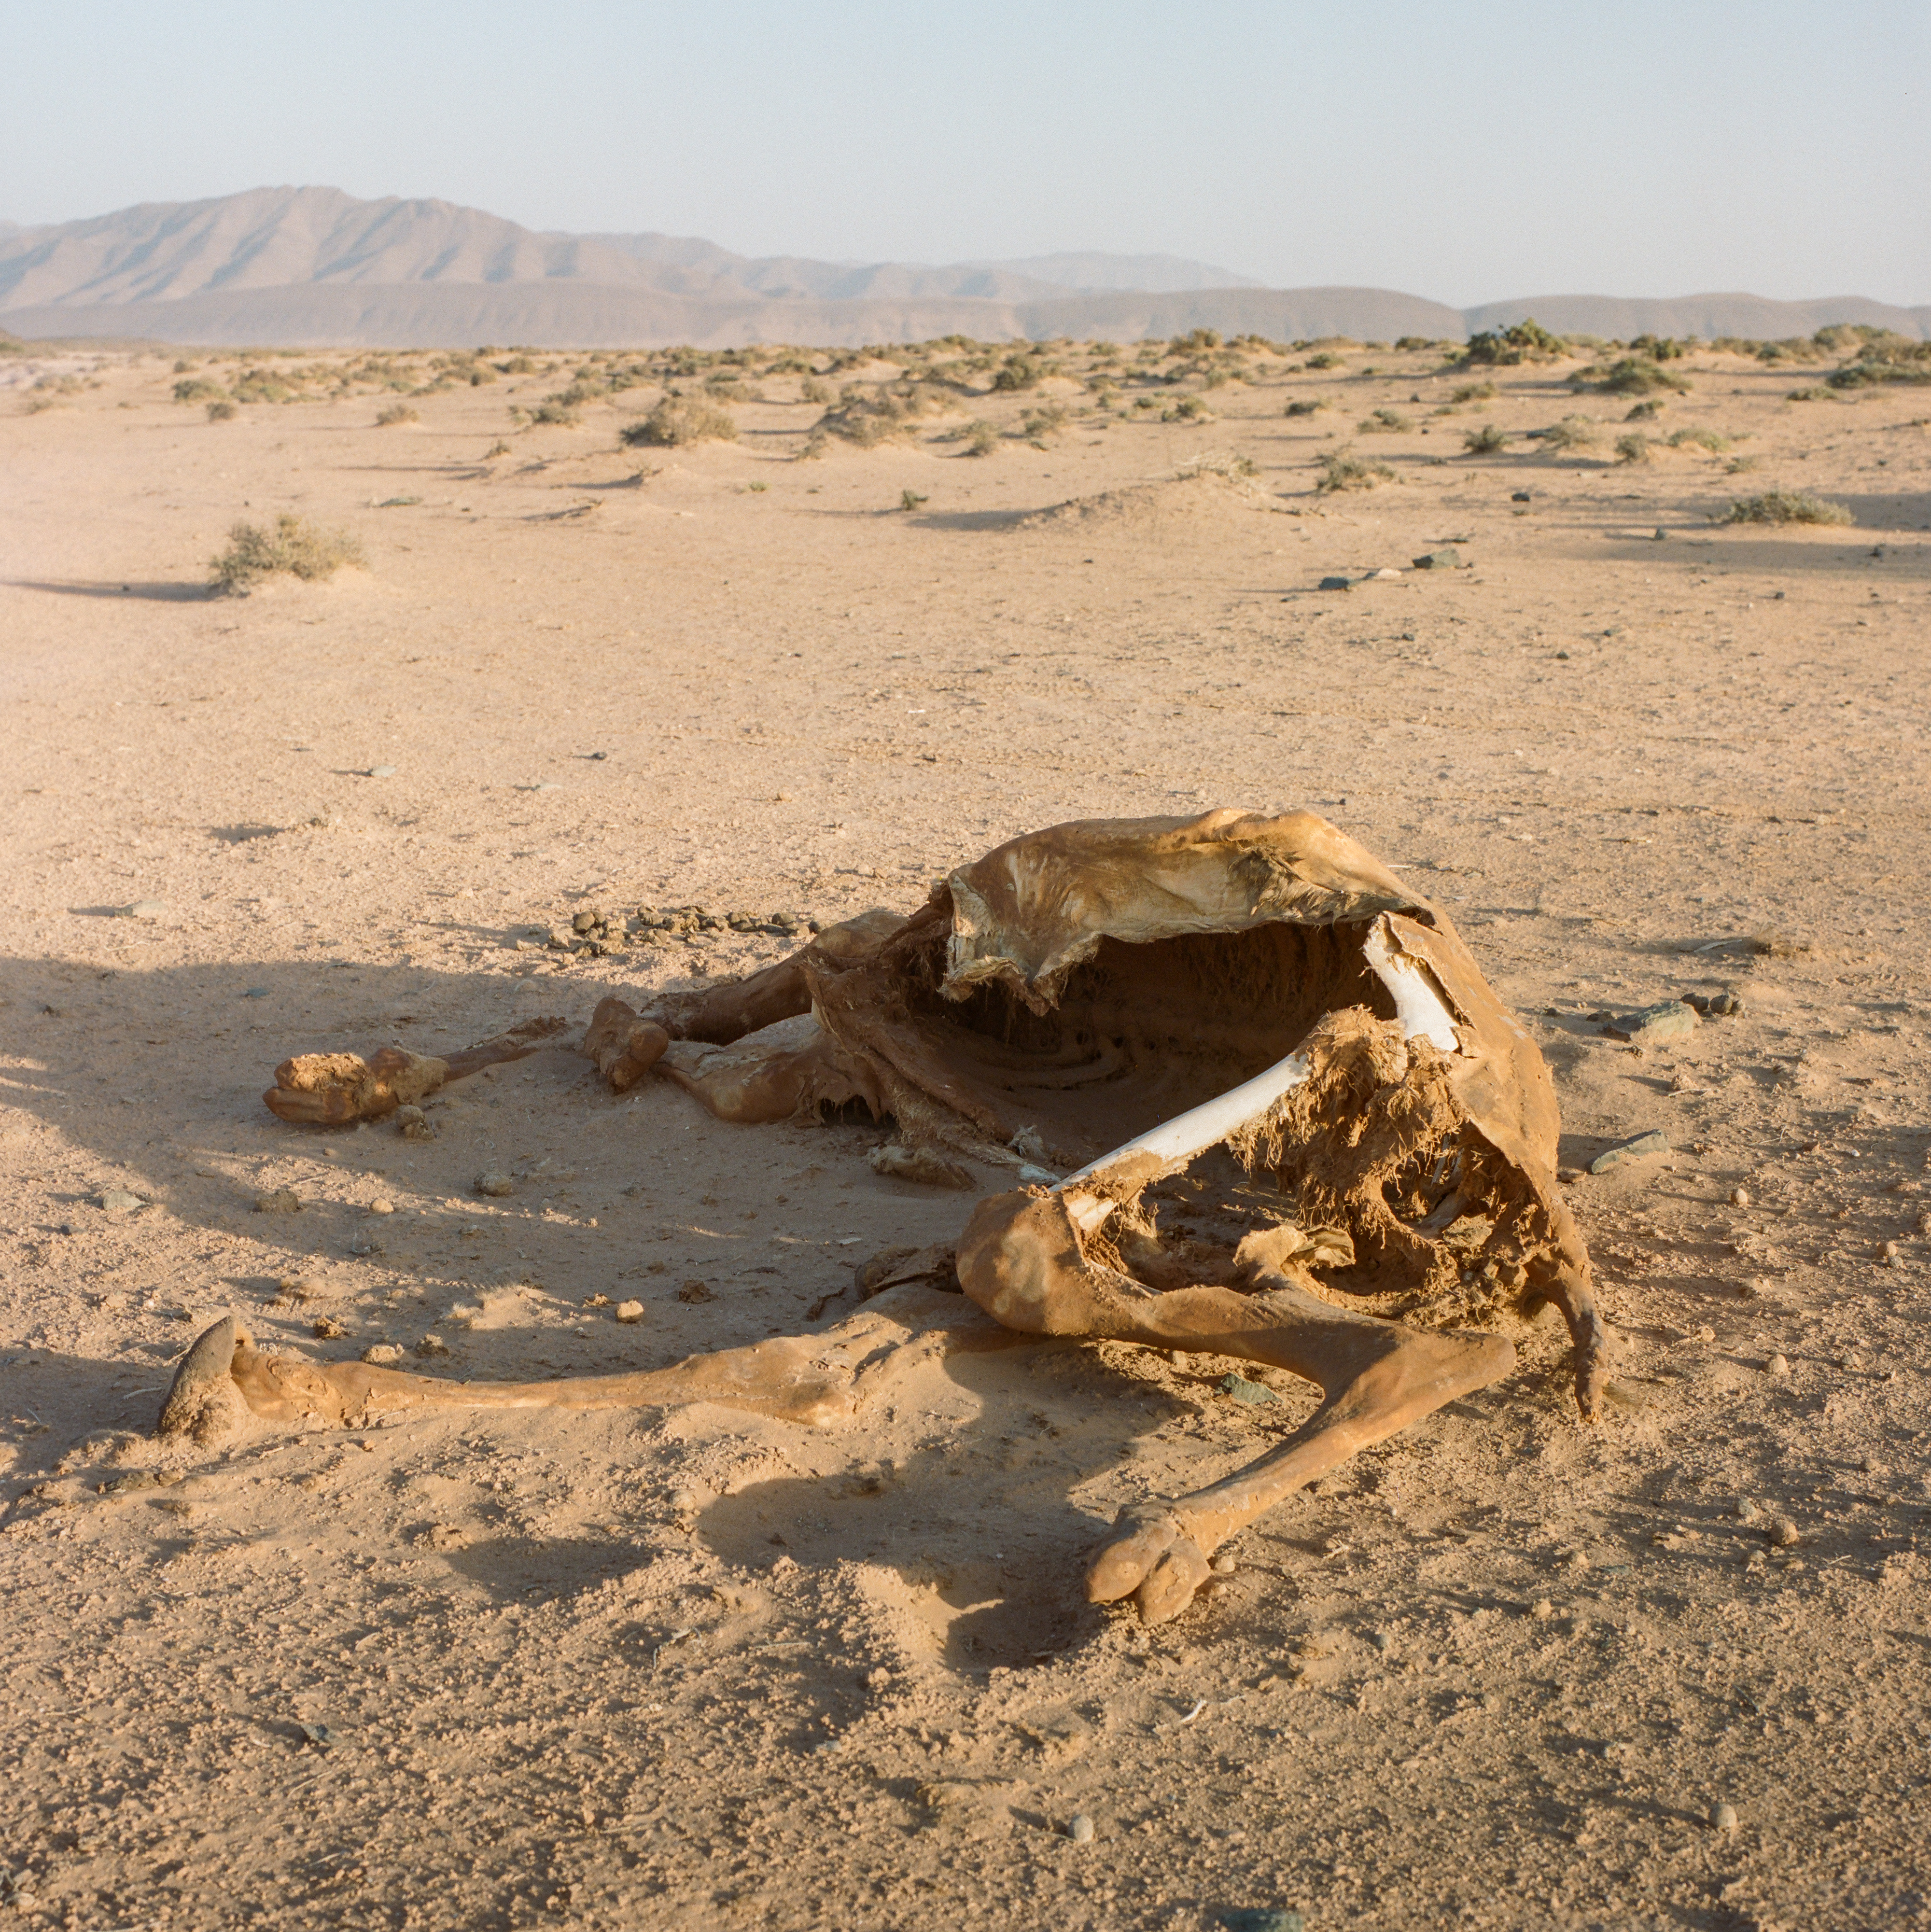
{"x": 1022, "y": 1259}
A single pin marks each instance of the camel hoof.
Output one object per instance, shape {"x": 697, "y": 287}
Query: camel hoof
{"x": 1155, "y": 1561}
{"x": 203, "y": 1401}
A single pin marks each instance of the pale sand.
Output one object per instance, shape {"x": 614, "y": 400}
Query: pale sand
{"x": 557, "y": 1696}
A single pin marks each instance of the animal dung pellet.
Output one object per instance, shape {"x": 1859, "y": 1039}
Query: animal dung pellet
{"x": 281, "y": 1201}
{"x": 496, "y": 1184}
{"x": 1080, "y": 1829}
{"x": 1784, "y": 1533}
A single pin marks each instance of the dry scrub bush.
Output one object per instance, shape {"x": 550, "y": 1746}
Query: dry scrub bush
{"x": 293, "y": 546}
{"x": 676, "y": 421}
{"x": 1473, "y": 392}
{"x": 1305, "y": 407}
{"x": 1628, "y": 376}
{"x": 220, "y": 410}
{"x": 1817, "y": 392}
{"x": 1189, "y": 409}
{"x": 1525, "y": 341}
{"x": 1342, "y": 470}
{"x": 396, "y": 412}
{"x": 1572, "y": 432}
{"x": 1714, "y": 441}
{"x": 1485, "y": 441}
{"x": 1885, "y": 358}
{"x": 1634, "y": 448}
{"x": 1786, "y": 506}
{"x": 1385, "y": 422}
{"x": 198, "y": 389}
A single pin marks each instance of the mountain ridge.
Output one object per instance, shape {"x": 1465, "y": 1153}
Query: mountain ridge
{"x": 315, "y": 266}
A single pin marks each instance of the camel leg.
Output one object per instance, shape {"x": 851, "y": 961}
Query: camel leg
{"x": 816, "y": 1380}
{"x": 333, "y": 1089}
{"x": 1020, "y": 1259}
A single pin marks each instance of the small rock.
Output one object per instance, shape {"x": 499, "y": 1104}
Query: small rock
{"x": 1261, "y": 1918}
{"x": 560, "y": 937}
{"x": 1385, "y": 576}
{"x": 1740, "y": 1197}
{"x": 1222, "y": 1566}
{"x": 382, "y": 1205}
{"x": 1887, "y": 1252}
{"x": 1080, "y": 1829}
{"x": 1779, "y": 1365}
{"x": 630, "y": 1311}
{"x": 282, "y": 1201}
{"x": 694, "y": 1291}
{"x": 328, "y": 1329}
{"x": 684, "y": 1501}
{"x": 1610, "y": 1158}
{"x": 495, "y": 1183}
{"x": 382, "y": 771}
{"x": 381, "y": 1354}
{"x": 1723, "y": 1817}
{"x": 144, "y": 909}
{"x": 586, "y": 921}
{"x": 1650, "y": 1026}
{"x": 1784, "y": 1533}
{"x": 432, "y": 1346}
{"x": 1521, "y": 497}
{"x": 1439, "y": 559}
{"x": 1333, "y": 584}
{"x": 413, "y": 1124}
{"x": 1541, "y": 1609}
{"x": 368, "y": 1245}
{"x": 1236, "y": 1384}
{"x": 118, "y": 1201}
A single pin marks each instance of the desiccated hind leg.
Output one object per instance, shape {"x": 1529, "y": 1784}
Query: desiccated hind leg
{"x": 224, "y": 1381}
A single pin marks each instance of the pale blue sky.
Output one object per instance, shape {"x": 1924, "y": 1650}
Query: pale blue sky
{"x": 1467, "y": 152}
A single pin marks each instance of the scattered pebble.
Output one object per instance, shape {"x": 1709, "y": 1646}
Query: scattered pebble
{"x": 1748, "y": 1510}
{"x": 1261, "y": 1918}
{"x": 1650, "y": 1026}
{"x": 118, "y": 1201}
{"x": 144, "y": 909}
{"x": 1784, "y": 1533}
{"x": 1236, "y": 1384}
{"x": 1333, "y": 584}
{"x": 694, "y": 1291}
{"x": 1222, "y": 1565}
{"x": 282, "y": 1201}
{"x": 495, "y": 1183}
{"x": 1778, "y": 1365}
{"x": 1724, "y": 1817}
{"x": 1439, "y": 559}
{"x": 328, "y": 1329}
{"x": 1541, "y": 1609}
{"x": 683, "y": 1501}
{"x": 1740, "y": 1197}
{"x": 382, "y": 771}
{"x": 1887, "y": 1253}
{"x": 630, "y": 1311}
{"x": 1080, "y": 1830}
{"x": 382, "y": 1205}
{"x": 432, "y": 1346}
{"x": 381, "y": 1354}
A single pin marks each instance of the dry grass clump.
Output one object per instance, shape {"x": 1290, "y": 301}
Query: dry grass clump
{"x": 1572, "y": 432}
{"x": 1342, "y": 470}
{"x": 293, "y": 546}
{"x": 1473, "y": 392}
{"x": 1304, "y": 406}
{"x": 220, "y": 410}
{"x": 1786, "y": 506}
{"x": 677, "y": 420}
{"x": 198, "y": 389}
{"x": 1385, "y": 422}
{"x": 1628, "y": 375}
{"x": 1884, "y": 358}
{"x": 1485, "y": 441}
{"x": 1817, "y": 392}
{"x": 1326, "y": 359}
{"x": 1021, "y": 371}
{"x": 1714, "y": 441}
{"x": 1524, "y": 341}
{"x": 1634, "y": 448}
{"x": 1036, "y": 425}
{"x": 1189, "y": 409}
{"x": 397, "y": 413}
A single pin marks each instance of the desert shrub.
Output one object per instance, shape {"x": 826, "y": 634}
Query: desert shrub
{"x": 1485, "y": 441}
{"x": 499, "y": 448}
{"x": 1817, "y": 392}
{"x": 1885, "y": 359}
{"x": 1036, "y": 424}
{"x": 256, "y": 551}
{"x": 1196, "y": 342}
{"x": 1414, "y": 342}
{"x": 1020, "y": 371}
{"x": 1572, "y": 432}
{"x": 1342, "y": 470}
{"x": 1634, "y": 448}
{"x": 1737, "y": 465}
{"x": 396, "y": 412}
{"x": 677, "y": 421}
{"x": 1385, "y": 422}
{"x": 1786, "y": 506}
{"x": 198, "y": 389}
{"x": 1524, "y": 341}
{"x": 1326, "y": 359}
{"x": 1628, "y": 376}
{"x": 981, "y": 438}
{"x": 1645, "y": 412}
{"x": 258, "y": 386}
{"x": 220, "y": 410}
{"x": 1660, "y": 348}
{"x": 1473, "y": 392}
{"x": 1189, "y": 409}
{"x": 813, "y": 390}
{"x": 1305, "y": 406}
{"x": 1714, "y": 441}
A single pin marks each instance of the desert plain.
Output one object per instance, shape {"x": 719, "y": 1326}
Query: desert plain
{"x": 687, "y": 1667}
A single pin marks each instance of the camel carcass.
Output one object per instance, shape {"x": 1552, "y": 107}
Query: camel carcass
{"x": 1105, "y": 1009}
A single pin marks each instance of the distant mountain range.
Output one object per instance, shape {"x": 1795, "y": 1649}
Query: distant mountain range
{"x": 314, "y": 267}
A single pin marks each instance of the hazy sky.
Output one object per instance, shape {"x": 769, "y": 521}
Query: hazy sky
{"x": 1468, "y": 152}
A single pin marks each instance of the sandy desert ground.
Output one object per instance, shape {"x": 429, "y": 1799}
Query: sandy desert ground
{"x": 686, "y": 1668}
